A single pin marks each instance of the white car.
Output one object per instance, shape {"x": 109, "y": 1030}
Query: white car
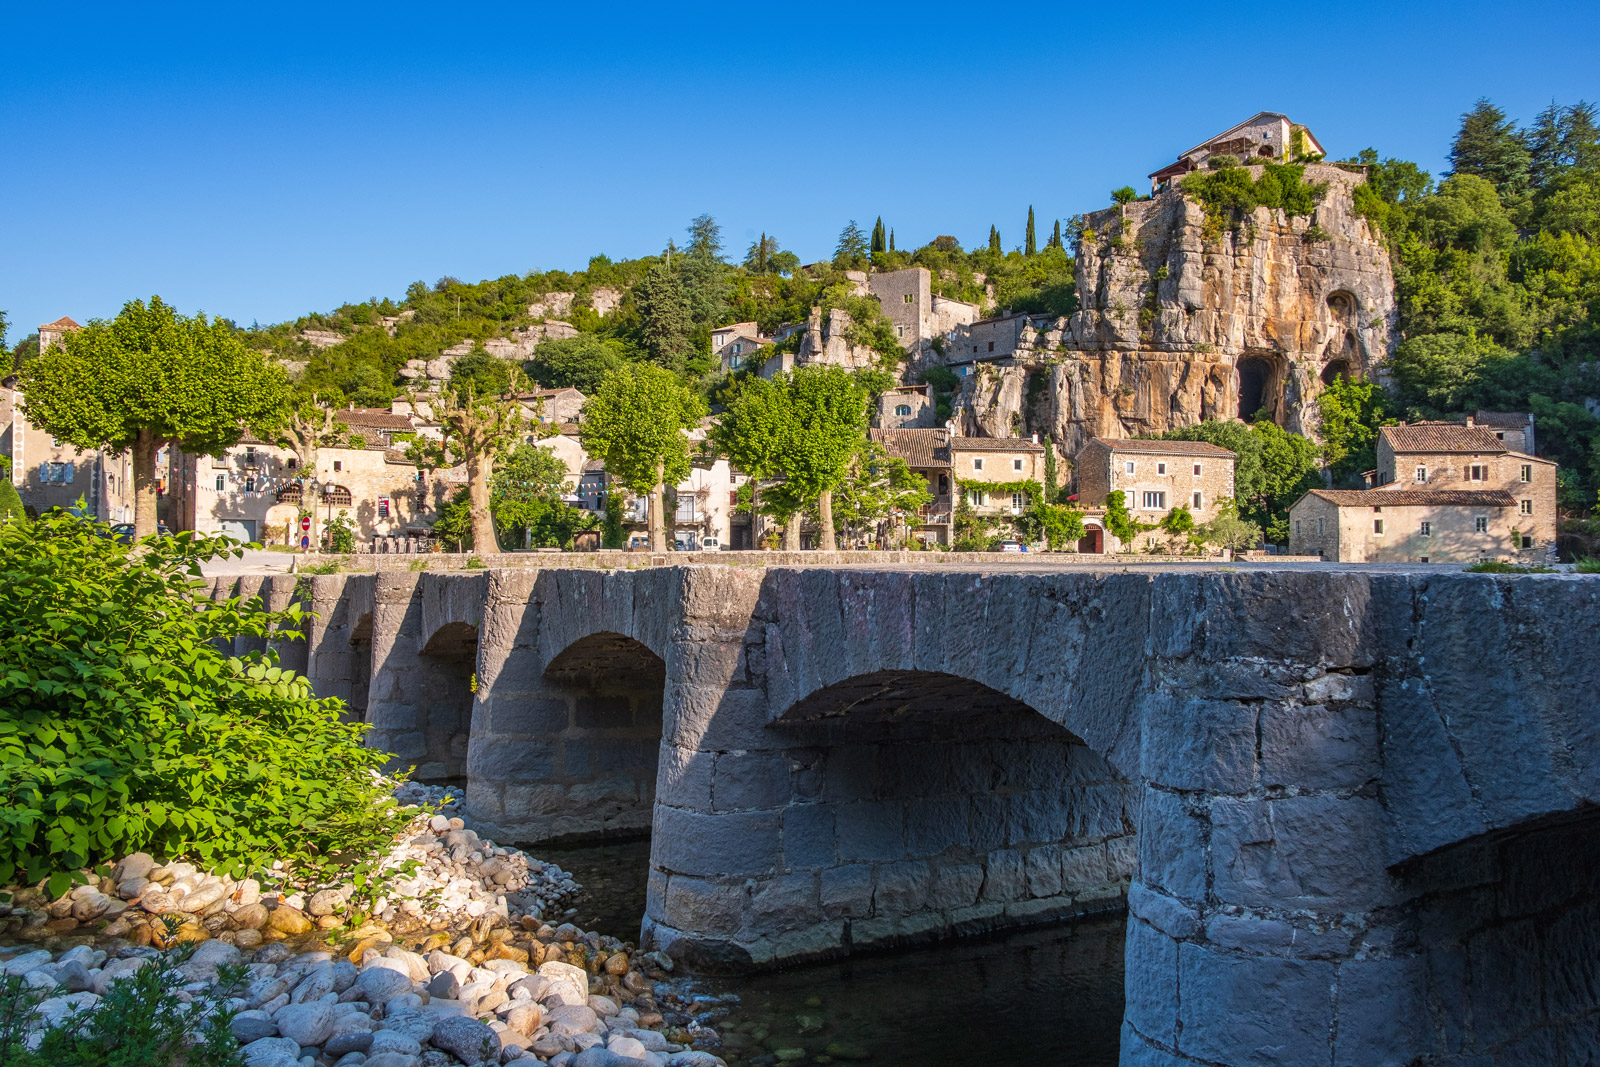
{"x": 1011, "y": 546}
{"x": 710, "y": 544}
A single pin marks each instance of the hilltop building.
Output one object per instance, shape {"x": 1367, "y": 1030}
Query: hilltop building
{"x": 1265, "y": 137}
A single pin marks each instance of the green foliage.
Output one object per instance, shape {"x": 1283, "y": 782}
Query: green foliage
{"x": 139, "y": 1021}
{"x": 525, "y": 497}
{"x": 1494, "y": 566}
{"x": 1488, "y": 146}
{"x": 124, "y": 726}
{"x": 1588, "y": 565}
{"x": 612, "y": 532}
{"x": 636, "y": 425}
{"x": 1272, "y": 468}
{"x": 454, "y": 524}
{"x": 1350, "y": 413}
{"x": 878, "y": 486}
{"x": 149, "y": 378}
{"x": 851, "y": 251}
{"x": 879, "y": 239}
{"x": 1030, "y": 245}
{"x": 1125, "y": 195}
{"x": 340, "y": 532}
{"x": 828, "y": 413}
{"x": 665, "y": 323}
{"x": 582, "y": 362}
{"x": 10, "y": 502}
{"x": 945, "y": 384}
{"x": 1230, "y": 531}
{"x": 478, "y": 374}
{"x": 1178, "y": 521}
{"x": 1228, "y": 194}
{"x": 1119, "y": 520}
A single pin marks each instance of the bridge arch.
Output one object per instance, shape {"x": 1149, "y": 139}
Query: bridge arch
{"x": 883, "y": 808}
{"x": 573, "y": 756}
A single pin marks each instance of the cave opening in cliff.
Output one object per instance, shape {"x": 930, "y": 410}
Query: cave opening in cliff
{"x": 1254, "y": 374}
{"x": 1335, "y": 370}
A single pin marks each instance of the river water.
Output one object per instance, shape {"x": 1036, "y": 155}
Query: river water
{"x": 1048, "y": 995}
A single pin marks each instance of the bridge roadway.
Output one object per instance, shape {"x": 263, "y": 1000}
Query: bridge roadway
{"x": 1351, "y": 812}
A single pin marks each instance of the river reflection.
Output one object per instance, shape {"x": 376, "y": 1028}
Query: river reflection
{"x": 1050, "y": 995}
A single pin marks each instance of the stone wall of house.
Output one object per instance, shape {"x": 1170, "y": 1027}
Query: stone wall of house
{"x": 1172, "y": 322}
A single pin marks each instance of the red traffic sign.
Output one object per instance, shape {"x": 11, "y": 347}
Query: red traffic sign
{"x": 305, "y": 522}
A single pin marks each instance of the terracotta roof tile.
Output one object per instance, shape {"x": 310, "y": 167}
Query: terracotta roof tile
{"x": 1506, "y": 420}
{"x": 1440, "y": 437}
{"x": 1170, "y": 448}
{"x": 919, "y": 448}
{"x": 63, "y": 323}
{"x": 1399, "y": 498}
{"x": 995, "y": 444}
{"x": 376, "y": 418}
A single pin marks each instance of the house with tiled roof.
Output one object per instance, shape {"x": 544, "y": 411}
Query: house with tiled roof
{"x": 1154, "y": 476}
{"x": 1265, "y": 137}
{"x": 987, "y": 472}
{"x": 1443, "y": 492}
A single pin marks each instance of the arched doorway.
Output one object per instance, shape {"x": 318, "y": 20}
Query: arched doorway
{"x": 573, "y": 757}
{"x": 891, "y": 806}
{"x": 1093, "y": 540}
{"x": 1255, "y": 376}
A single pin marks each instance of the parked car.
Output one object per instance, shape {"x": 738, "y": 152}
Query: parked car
{"x": 1012, "y": 546}
{"x": 710, "y": 544}
{"x": 639, "y": 543}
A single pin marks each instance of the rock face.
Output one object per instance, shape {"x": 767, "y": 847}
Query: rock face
{"x": 1176, "y": 327}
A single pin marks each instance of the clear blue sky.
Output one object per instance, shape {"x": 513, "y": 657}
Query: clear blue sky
{"x": 260, "y": 161}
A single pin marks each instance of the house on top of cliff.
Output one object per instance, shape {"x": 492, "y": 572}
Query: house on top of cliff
{"x": 1265, "y": 137}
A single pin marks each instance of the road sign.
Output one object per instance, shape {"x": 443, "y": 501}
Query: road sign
{"x": 305, "y": 522}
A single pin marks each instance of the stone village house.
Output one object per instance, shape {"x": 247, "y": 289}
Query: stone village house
{"x": 1445, "y": 493}
{"x": 1154, "y": 477}
{"x": 1265, "y": 137}
{"x": 985, "y": 470}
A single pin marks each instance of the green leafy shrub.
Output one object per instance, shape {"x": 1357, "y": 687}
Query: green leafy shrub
{"x": 140, "y": 1021}
{"x": 124, "y": 727}
{"x": 1588, "y": 565}
{"x": 1229, "y": 193}
{"x": 341, "y": 533}
{"x": 1494, "y": 566}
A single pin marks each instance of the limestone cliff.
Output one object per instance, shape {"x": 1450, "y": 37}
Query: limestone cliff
{"x": 1176, "y": 326}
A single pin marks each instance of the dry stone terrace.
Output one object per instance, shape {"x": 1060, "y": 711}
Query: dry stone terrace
{"x": 1351, "y": 813}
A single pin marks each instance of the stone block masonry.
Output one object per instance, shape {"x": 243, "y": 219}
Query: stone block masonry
{"x": 1351, "y": 813}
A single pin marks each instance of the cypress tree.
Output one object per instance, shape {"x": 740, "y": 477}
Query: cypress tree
{"x": 877, "y": 236}
{"x": 891, "y": 238}
{"x": 994, "y": 240}
{"x": 1029, "y": 245}
{"x": 1055, "y": 238}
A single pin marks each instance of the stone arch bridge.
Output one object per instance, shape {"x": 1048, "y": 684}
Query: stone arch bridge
{"x": 1351, "y": 814}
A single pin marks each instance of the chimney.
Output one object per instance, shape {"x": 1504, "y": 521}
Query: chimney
{"x": 1470, "y": 422}
{"x": 1035, "y": 437}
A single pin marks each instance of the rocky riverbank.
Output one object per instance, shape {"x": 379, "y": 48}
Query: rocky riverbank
{"x": 440, "y": 954}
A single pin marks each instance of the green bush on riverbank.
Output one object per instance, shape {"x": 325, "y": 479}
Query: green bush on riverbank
{"x": 124, "y": 727}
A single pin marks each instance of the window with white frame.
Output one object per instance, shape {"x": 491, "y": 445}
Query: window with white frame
{"x": 222, "y": 482}
{"x": 1426, "y": 529}
{"x": 977, "y": 464}
{"x": 1127, "y": 468}
{"x": 1422, "y": 475}
{"x": 1477, "y": 472}
{"x": 977, "y": 497}
{"x": 1527, "y": 472}
{"x": 1017, "y": 501}
{"x": 1526, "y": 507}
{"x": 1197, "y": 470}
{"x": 902, "y": 409}
{"x": 1161, "y": 468}
{"x": 1199, "y": 500}
{"x": 1154, "y": 499}
{"x": 1016, "y": 464}
{"x": 1480, "y": 524}
{"x": 1377, "y": 526}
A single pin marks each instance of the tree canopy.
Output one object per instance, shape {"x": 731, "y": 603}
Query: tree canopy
{"x": 151, "y": 378}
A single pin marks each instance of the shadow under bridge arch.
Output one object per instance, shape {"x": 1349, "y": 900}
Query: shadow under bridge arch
{"x": 890, "y": 807}
{"x": 572, "y": 754}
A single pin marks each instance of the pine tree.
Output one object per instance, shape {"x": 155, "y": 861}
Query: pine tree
{"x": 1488, "y": 145}
{"x": 878, "y": 243}
{"x": 852, "y": 247}
{"x": 994, "y": 241}
{"x": 1029, "y": 245}
{"x": 1055, "y": 238}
